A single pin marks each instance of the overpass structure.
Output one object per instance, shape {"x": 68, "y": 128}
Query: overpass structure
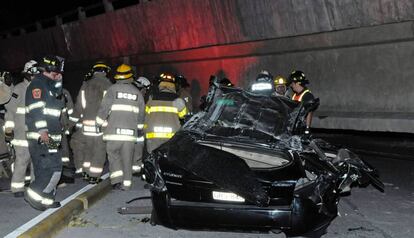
{"x": 357, "y": 54}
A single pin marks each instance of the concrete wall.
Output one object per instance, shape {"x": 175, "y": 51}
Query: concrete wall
{"x": 357, "y": 53}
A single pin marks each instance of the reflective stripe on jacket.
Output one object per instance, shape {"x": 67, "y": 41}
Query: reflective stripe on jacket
{"x": 298, "y": 97}
{"x": 123, "y": 108}
{"x": 163, "y": 112}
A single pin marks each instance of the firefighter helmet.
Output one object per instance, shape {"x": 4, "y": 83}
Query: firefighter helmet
{"x": 30, "y": 68}
{"x": 298, "y": 76}
{"x": 100, "y": 66}
{"x": 52, "y": 63}
{"x": 142, "y": 82}
{"x": 6, "y": 78}
{"x": 182, "y": 81}
{"x": 167, "y": 81}
{"x": 123, "y": 72}
{"x": 167, "y": 77}
{"x": 264, "y": 76}
{"x": 279, "y": 80}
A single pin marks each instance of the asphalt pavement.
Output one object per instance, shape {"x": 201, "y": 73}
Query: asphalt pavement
{"x": 365, "y": 213}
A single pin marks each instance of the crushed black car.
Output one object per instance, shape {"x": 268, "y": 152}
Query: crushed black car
{"x": 245, "y": 165}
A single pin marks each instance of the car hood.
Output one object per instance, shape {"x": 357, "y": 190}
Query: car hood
{"x": 224, "y": 169}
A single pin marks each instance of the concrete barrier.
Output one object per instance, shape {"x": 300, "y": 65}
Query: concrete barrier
{"x": 58, "y": 220}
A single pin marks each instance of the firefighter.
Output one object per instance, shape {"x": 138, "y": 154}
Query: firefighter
{"x": 67, "y": 161}
{"x": 43, "y": 111}
{"x": 87, "y": 105}
{"x": 15, "y": 129}
{"x": 143, "y": 85}
{"x": 301, "y": 93}
{"x": 280, "y": 84}
{"x": 123, "y": 108}
{"x": 213, "y": 93}
{"x": 184, "y": 93}
{"x": 77, "y": 140}
{"x": 6, "y": 88}
{"x": 163, "y": 113}
{"x": 263, "y": 84}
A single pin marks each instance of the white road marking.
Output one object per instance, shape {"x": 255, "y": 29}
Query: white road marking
{"x": 25, "y": 227}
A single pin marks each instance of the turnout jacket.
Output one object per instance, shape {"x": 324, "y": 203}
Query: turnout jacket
{"x": 15, "y": 115}
{"x": 67, "y": 111}
{"x": 88, "y": 102}
{"x": 163, "y": 113}
{"x": 43, "y": 108}
{"x": 123, "y": 108}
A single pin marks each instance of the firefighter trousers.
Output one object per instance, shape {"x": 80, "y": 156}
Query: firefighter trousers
{"x": 21, "y": 163}
{"x": 120, "y": 156}
{"x": 95, "y": 154}
{"x": 47, "y": 166}
{"x": 67, "y": 159}
{"x": 65, "y": 151}
{"x": 77, "y": 143}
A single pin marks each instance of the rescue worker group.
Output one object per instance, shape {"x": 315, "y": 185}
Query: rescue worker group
{"x": 55, "y": 140}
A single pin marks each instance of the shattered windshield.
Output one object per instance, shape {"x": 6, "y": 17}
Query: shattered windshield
{"x": 241, "y": 113}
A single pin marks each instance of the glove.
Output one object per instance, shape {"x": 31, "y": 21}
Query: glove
{"x": 9, "y": 134}
{"x": 49, "y": 142}
{"x": 53, "y": 144}
{"x": 98, "y": 128}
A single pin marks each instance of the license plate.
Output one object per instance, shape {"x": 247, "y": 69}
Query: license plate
{"x": 231, "y": 197}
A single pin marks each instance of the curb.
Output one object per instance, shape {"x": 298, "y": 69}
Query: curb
{"x": 58, "y": 220}
{"x": 91, "y": 196}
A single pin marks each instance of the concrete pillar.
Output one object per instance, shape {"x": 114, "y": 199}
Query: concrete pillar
{"x": 81, "y": 13}
{"x": 108, "y": 6}
{"x": 58, "y": 21}
{"x": 38, "y": 26}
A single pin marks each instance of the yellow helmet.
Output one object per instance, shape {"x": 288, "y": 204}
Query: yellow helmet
{"x": 279, "y": 80}
{"x": 123, "y": 71}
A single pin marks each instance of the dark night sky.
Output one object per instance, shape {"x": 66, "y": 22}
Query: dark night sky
{"x": 15, "y": 13}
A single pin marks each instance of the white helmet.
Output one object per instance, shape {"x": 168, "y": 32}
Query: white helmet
{"x": 30, "y": 67}
{"x": 144, "y": 82}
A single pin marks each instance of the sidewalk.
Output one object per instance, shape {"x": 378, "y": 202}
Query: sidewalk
{"x": 389, "y": 144}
